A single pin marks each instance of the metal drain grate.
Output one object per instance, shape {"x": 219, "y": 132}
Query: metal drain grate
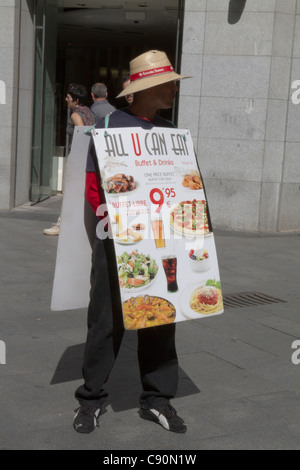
{"x": 248, "y": 299}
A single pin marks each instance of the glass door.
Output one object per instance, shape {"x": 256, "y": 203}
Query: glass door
{"x": 43, "y": 140}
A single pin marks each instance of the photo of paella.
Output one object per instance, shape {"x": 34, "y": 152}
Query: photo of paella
{"x": 146, "y": 311}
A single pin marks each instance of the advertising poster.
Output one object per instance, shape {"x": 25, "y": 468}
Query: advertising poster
{"x": 159, "y": 220}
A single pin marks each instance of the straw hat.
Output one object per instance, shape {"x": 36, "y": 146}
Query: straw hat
{"x": 148, "y": 70}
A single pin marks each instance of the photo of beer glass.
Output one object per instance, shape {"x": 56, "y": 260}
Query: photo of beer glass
{"x": 158, "y": 232}
{"x": 170, "y": 267}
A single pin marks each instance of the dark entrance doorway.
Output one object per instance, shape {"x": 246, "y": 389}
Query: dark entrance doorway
{"x": 85, "y": 43}
{"x": 97, "y": 41}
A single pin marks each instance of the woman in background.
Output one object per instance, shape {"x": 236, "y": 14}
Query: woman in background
{"x": 79, "y": 115}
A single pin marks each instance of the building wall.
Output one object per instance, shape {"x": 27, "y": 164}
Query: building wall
{"x": 289, "y": 209}
{"x": 25, "y": 103}
{"x": 16, "y": 76}
{"x": 9, "y": 53}
{"x": 238, "y": 106}
{"x": 239, "y": 109}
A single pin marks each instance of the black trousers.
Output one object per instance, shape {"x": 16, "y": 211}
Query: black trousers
{"x": 157, "y": 356}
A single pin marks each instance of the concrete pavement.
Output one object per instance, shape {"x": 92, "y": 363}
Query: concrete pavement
{"x": 239, "y": 388}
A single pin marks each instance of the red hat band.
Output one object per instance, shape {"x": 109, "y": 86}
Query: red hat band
{"x": 151, "y": 73}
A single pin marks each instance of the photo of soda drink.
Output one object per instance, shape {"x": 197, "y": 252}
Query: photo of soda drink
{"x": 170, "y": 268}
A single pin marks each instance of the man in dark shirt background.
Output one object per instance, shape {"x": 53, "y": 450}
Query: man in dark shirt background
{"x": 101, "y": 106}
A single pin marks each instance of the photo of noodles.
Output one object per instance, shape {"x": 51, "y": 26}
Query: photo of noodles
{"x": 206, "y": 300}
{"x": 146, "y": 311}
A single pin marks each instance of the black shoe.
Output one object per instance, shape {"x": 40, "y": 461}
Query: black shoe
{"x": 86, "y": 418}
{"x": 166, "y": 416}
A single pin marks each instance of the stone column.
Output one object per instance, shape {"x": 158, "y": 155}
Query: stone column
{"x": 289, "y": 196}
{"x": 16, "y": 94}
{"x": 243, "y": 55}
{"x": 25, "y": 103}
{"x": 9, "y": 58}
{"x": 275, "y": 191}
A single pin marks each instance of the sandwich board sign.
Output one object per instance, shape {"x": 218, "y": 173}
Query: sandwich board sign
{"x": 160, "y": 223}
{"x": 71, "y": 283}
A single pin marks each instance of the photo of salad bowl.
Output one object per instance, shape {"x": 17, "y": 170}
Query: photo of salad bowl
{"x": 136, "y": 271}
{"x": 199, "y": 260}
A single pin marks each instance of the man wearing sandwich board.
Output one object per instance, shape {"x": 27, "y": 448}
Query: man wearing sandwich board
{"x": 153, "y": 83}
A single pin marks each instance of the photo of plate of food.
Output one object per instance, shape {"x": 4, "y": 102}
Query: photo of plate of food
{"x": 189, "y": 218}
{"x": 129, "y": 237}
{"x": 202, "y": 299}
{"x": 192, "y": 181}
{"x": 136, "y": 271}
{"x": 147, "y": 311}
{"x": 120, "y": 184}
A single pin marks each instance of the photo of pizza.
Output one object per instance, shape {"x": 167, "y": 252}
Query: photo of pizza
{"x": 146, "y": 311}
{"x": 190, "y": 218}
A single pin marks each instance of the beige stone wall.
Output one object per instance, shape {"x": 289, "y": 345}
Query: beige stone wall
{"x": 239, "y": 109}
{"x": 16, "y": 78}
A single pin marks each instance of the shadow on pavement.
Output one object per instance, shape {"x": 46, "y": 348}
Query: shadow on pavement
{"x": 124, "y": 378}
{"x": 235, "y": 10}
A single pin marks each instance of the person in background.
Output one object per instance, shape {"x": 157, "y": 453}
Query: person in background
{"x": 101, "y": 106}
{"x": 154, "y": 88}
{"x": 79, "y": 115}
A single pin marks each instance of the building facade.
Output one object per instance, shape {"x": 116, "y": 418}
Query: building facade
{"x": 242, "y": 104}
